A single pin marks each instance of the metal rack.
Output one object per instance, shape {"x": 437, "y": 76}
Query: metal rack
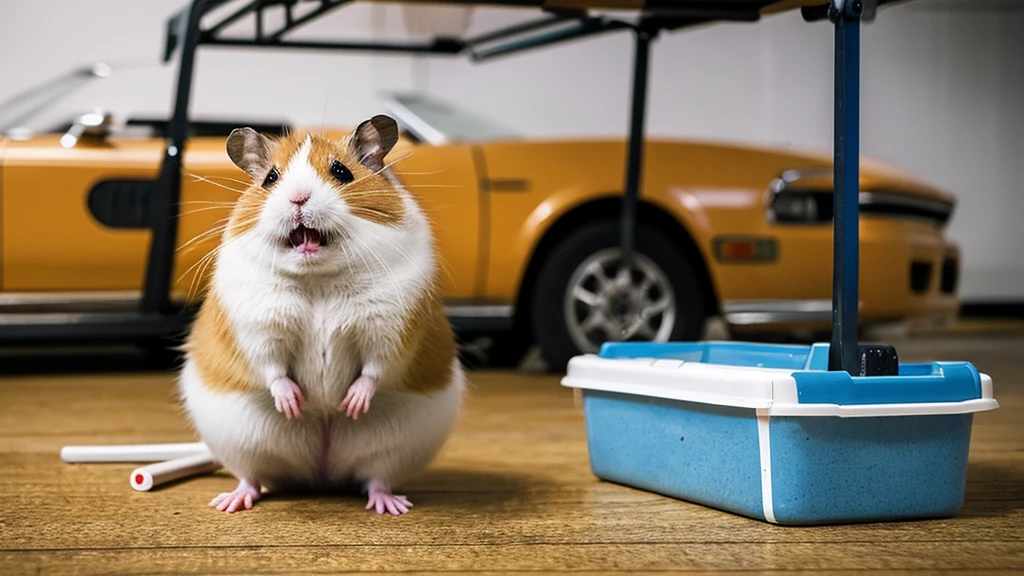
{"x": 157, "y": 316}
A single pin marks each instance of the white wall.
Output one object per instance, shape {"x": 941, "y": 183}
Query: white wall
{"x": 942, "y": 90}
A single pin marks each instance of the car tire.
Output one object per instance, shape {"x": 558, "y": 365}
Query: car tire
{"x": 560, "y": 336}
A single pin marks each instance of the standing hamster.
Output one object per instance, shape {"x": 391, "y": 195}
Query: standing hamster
{"x": 321, "y": 356}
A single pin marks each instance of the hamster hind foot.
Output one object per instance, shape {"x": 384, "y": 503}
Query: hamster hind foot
{"x": 381, "y": 499}
{"x": 244, "y": 496}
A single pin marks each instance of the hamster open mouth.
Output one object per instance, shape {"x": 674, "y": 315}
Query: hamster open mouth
{"x": 307, "y": 240}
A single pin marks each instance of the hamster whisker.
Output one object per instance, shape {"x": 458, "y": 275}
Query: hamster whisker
{"x": 217, "y": 202}
{"x": 259, "y": 262}
{"x": 361, "y": 258}
{"x": 421, "y": 173}
{"x": 217, "y": 184}
{"x": 203, "y": 263}
{"x": 207, "y": 209}
{"x": 433, "y": 186}
{"x": 442, "y": 263}
{"x": 394, "y": 280}
{"x": 242, "y": 182}
{"x": 205, "y": 236}
{"x": 218, "y": 228}
{"x": 393, "y": 162}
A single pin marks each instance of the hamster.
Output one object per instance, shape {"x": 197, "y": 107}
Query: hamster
{"x": 321, "y": 357}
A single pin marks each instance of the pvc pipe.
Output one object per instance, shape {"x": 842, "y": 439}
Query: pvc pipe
{"x": 147, "y": 477}
{"x": 132, "y": 452}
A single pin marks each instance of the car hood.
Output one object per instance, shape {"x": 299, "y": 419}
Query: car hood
{"x": 759, "y": 165}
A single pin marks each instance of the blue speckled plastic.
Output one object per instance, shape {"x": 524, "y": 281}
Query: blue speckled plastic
{"x": 824, "y": 469}
{"x": 696, "y": 446}
{"x": 833, "y": 470}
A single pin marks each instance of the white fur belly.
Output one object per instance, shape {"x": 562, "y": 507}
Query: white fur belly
{"x": 399, "y": 435}
{"x": 324, "y": 363}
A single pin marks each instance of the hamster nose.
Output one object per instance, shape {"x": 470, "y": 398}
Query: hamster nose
{"x": 300, "y": 198}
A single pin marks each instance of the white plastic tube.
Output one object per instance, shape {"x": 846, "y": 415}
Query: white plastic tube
{"x": 147, "y": 477}
{"x": 132, "y": 452}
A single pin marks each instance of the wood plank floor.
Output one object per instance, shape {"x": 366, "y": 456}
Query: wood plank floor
{"x": 512, "y": 492}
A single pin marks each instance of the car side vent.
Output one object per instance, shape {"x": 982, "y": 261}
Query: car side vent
{"x": 122, "y": 203}
{"x": 950, "y": 275}
{"x": 920, "y": 276}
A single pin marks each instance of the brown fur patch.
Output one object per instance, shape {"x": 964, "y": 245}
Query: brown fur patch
{"x": 214, "y": 349}
{"x": 429, "y": 340}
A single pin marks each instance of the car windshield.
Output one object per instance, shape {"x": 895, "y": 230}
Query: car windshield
{"x": 51, "y": 106}
{"x": 439, "y": 122}
{"x": 18, "y": 111}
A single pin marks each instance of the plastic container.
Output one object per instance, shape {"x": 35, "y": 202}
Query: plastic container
{"x": 768, "y": 432}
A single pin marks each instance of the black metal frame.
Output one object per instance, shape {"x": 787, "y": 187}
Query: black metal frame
{"x": 158, "y": 317}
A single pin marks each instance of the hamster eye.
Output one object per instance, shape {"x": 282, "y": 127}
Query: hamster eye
{"x": 272, "y": 177}
{"x": 341, "y": 173}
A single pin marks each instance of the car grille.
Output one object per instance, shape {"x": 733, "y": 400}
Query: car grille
{"x": 888, "y": 204}
{"x": 950, "y": 275}
{"x": 921, "y": 275}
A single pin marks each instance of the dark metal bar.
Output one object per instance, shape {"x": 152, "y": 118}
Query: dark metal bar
{"x": 92, "y": 327}
{"x": 234, "y": 17}
{"x": 581, "y": 29}
{"x": 292, "y": 24}
{"x": 530, "y": 26}
{"x": 436, "y": 47}
{"x": 160, "y": 265}
{"x": 635, "y": 151}
{"x": 843, "y": 351}
{"x": 259, "y": 23}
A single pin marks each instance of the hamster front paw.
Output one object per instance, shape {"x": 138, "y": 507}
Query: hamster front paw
{"x": 357, "y": 400}
{"x": 287, "y": 397}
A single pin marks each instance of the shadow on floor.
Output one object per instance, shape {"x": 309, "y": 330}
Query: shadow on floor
{"x": 123, "y": 358}
{"x": 994, "y": 488}
{"x": 449, "y": 488}
{"x": 58, "y": 360}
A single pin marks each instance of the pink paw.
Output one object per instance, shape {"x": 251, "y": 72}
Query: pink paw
{"x": 382, "y": 499}
{"x": 287, "y": 397}
{"x": 244, "y": 496}
{"x": 357, "y": 400}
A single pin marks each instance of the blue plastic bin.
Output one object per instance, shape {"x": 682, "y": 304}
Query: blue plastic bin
{"x": 768, "y": 432}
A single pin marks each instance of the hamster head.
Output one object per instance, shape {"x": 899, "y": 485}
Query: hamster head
{"x": 317, "y": 205}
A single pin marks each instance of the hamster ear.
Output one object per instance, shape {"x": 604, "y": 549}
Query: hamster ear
{"x": 371, "y": 141}
{"x": 250, "y": 151}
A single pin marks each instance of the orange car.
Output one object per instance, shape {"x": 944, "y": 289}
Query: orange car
{"x": 528, "y": 229}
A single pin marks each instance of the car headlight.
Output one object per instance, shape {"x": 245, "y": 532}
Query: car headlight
{"x": 800, "y": 207}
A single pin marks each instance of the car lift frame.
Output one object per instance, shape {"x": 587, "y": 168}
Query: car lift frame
{"x": 157, "y": 317}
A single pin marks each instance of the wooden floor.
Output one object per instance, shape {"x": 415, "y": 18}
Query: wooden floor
{"x": 512, "y": 492}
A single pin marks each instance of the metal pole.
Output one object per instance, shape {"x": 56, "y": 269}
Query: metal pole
{"x": 634, "y": 159}
{"x": 160, "y": 266}
{"x": 843, "y": 351}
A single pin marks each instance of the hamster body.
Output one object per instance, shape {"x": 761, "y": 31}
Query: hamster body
{"x": 321, "y": 356}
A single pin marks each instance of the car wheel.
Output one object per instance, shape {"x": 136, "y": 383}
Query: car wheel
{"x": 585, "y": 295}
